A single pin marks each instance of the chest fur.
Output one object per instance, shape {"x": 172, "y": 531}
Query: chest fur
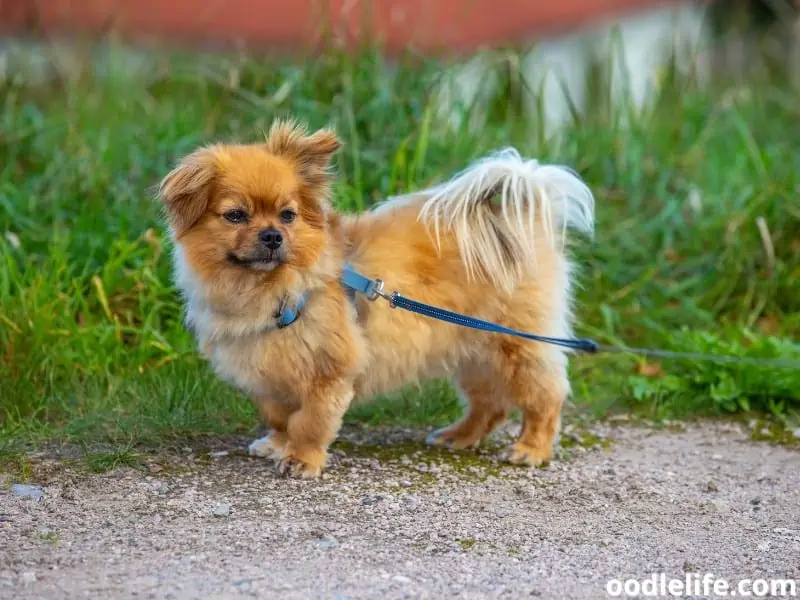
{"x": 283, "y": 363}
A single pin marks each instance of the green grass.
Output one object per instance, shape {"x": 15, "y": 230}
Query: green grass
{"x": 92, "y": 348}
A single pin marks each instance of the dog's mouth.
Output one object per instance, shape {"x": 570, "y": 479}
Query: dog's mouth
{"x": 266, "y": 262}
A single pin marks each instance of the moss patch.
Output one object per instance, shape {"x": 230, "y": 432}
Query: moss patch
{"x": 774, "y": 432}
{"x": 467, "y": 544}
{"x": 410, "y": 454}
{"x": 583, "y": 439}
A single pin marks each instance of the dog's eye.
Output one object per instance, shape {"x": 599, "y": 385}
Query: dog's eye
{"x": 236, "y": 216}
{"x": 287, "y": 215}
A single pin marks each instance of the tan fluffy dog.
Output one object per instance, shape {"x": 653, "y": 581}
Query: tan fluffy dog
{"x": 254, "y": 231}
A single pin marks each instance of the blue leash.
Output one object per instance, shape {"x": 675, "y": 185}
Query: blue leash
{"x": 583, "y": 345}
{"x": 373, "y": 288}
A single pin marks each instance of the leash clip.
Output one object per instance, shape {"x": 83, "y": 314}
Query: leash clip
{"x": 375, "y": 291}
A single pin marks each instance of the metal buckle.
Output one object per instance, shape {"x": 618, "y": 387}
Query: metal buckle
{"x": 281, "y": 307}
{"x": 376, "y": 291}
{"x": 279, "y": 314}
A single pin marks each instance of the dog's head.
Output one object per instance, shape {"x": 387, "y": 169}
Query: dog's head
{"x": 257, "y": 209}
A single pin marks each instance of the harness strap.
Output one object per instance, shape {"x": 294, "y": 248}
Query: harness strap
{"x": 355, "y": 281}
{"x": 352, "y": 280}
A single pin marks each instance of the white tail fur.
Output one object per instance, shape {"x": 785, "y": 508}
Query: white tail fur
{"x": 496, "y": 239}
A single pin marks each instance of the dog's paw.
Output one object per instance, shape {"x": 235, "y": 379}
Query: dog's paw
{"x": 268, "y": 446}
{"x": 260, "y": 447}
{"x": 438, "y": 438}
{"x": 448, "y": 438}
{"x": 522, "y": 454}
{"x": 291, "y": 466}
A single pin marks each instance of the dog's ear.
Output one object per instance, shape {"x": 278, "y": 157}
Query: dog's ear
{"x": 311, "y": 153}
{"x": 186, "y": 190}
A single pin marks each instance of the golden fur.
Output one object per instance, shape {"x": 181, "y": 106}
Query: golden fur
{"x": 484, "y": 244}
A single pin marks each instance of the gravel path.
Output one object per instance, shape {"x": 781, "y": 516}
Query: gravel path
{"x": 403, "y": 522}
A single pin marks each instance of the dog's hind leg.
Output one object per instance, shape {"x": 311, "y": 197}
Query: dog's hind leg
{"x": 539, "y": 389}
{"x": 487, "y": 408}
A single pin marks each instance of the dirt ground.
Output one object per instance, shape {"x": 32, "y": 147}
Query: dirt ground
{"x": 392, "y": 519}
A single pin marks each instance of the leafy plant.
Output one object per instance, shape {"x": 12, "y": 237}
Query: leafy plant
{"x": 751, "y": 384}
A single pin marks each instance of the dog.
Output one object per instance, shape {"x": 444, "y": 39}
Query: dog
{"x": 254, "y": 233}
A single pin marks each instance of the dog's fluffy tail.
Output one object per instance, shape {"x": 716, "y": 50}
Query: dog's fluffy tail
{"x": 496, "y": 206}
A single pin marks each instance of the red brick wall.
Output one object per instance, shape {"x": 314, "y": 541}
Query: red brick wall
{"x": 428, "y": 25}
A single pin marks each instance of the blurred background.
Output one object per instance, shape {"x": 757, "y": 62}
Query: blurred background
{"x": 559, "y": 42}
{"x": 682, "y": 117}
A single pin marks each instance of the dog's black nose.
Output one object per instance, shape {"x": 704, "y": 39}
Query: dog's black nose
{"x": 271, "y": 238}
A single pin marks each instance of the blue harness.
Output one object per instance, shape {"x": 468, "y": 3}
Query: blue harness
{"x": 354, "y": 282}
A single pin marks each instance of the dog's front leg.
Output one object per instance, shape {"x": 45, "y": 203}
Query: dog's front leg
{"x": 275, "y": 414}
{"x": 312, "y": 428}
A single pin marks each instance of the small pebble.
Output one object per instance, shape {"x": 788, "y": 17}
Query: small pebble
{"x": 711, "y": 487}
{"x": 500, "y": 512}
{"x": 218, "y": 453}
{"x": 410, "y": 502}
{"x": 327, "y": 543}
{"x": 755, "y": 501}
{"x": 406, "y": 483}
{"x": 401, "y": 579}
{"x": 222, "y": 510}
{"x": 720, "y": 505}
{"x": 20, "y": 490}
{"x": 523, "y": 491}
